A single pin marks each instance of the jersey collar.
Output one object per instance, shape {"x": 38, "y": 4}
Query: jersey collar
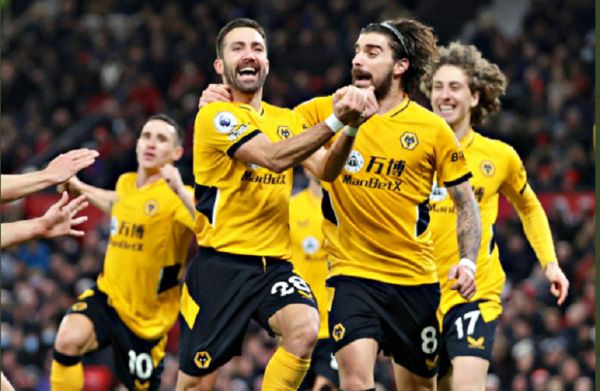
{"x": 399, "y": 108}
{"x": 467, "y": 140}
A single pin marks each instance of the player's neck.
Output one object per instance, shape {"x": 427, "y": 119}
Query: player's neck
{"x": 391, "y": 100}
{"x": 462, "y": 128}
{"x": 253, "y": 100}
{"x": 145, "y": 177}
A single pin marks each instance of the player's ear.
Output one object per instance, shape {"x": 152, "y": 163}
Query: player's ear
{"x": 218, "y": 65}
{"x": 475, "y": 99}
{"x": 400, "y": 66}
{"x": 177, "y": 153}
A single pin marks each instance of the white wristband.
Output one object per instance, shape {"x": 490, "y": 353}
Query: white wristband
{"x": 350, "y": 131}
{"x": 334, "y": 123}
{"x": 468, "y": 263}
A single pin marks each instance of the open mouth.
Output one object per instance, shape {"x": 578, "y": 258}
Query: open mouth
{"x": 361, "y": 77}
{"x": 247, "y": 73}
{"x": 445, "y": 109}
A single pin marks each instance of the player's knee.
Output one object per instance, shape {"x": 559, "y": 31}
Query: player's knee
{"x": 70, "y": 341}
{"x": 303, "y": 336}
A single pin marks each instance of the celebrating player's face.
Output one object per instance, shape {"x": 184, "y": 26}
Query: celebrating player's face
{"x": 157, "y": 145}
{"x": 451, "y": 97}
{"x": 373, "y": 63}
{"x": 244, "y": 64}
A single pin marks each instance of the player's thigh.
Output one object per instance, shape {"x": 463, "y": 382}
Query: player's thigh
{"x": 76, "y": 335}
{"x": 410, "y": 381}
{"x": 357, "y": 359}
{"x": 469, "y": 373}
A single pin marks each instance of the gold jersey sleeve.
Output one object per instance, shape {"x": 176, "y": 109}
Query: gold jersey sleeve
{"x": 246, "y": 205}
{"x": 379, "y": 203}
{"x": 308, "y": 255}
{"x": 496, "y": 169}
{"x": 149, "y": 239}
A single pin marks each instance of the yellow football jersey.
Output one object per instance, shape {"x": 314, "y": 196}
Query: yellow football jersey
{"x": 308, "y": 256}
{"x": 247, "y": 206}
{"x": 150, "y": 233}
{"x": 497, "y": 169}
{"x": 379, "y": 203}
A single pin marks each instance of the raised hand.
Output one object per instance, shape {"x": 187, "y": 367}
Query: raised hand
{"x": 215, "y": 93}
{"x": 65, "y": 165}
{"x": 60, "y": 218}
{"x": 172, "y": 176}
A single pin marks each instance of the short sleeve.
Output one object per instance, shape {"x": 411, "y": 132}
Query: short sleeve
{"x": 450, "y": 163}
{"x": 224, "y": 127}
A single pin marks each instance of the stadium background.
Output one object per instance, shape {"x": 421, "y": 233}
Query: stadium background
{"x": 88, "y": 73}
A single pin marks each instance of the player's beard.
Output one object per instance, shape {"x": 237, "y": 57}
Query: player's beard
{"x": 231, "y": 78}
{"x": 382, "y": 88}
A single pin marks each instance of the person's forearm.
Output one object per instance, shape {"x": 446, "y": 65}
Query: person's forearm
{"x": 292, "y": 151}
{"x": 336, "y": 157}
{"x": 101, "y": 198}
{"x": 468, "y": 230}
{"x": 188, "y": 200}
{"x": 468, "y": 221}
{"x": 535, "y": 226}
{"x": 20, "y": 231}
{"x": 17, "y": 186}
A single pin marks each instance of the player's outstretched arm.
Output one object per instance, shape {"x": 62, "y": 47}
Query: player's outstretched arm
{"x": 537, "y": 231}
{"x": 100, "y": 198}
{"x": 173, "y": 178}
{"x": 282, "y": 155}
{"x": 58, "y": 220}
{"x": 59, "y": 170}
{"x": 468, "y": 231}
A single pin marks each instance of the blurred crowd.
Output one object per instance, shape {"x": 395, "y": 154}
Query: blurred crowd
{"x": 63, "y": 61}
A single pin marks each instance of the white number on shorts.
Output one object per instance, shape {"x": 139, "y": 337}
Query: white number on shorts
{"x": 472, "y": 317}
{"x": 284, "y": 289}
{"x": 140, "y": 365}
{"x": 333, "y": 363}
{"x": 429, "y": 337}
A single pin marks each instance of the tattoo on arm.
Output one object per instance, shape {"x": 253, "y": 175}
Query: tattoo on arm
{"x": 468, "y": 222}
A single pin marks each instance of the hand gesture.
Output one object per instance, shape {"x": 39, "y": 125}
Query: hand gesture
{"x": 172, "y": 176}
{"x": 465, "y": 280}
{"x": 215, "y": 93}
{"x": 60, "y": 218}
{"x": 65, "y": 165}
{"x": 352, "y": 105}
{"x": 559, "y": 285}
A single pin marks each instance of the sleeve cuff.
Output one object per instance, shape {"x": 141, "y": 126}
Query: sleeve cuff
{"x": 459, "y": 180}
{"x": 231, "y": 151}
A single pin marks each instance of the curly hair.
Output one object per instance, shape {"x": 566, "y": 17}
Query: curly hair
{"x": 415, "y": 42}
{"x": 484, "y": 77}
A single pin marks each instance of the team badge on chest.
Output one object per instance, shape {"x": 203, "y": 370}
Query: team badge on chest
{"x": 487, "y": 167}
{"x": 151, "y": 208}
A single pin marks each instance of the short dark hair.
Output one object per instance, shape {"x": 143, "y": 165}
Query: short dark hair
{"x": 234, "y": 24}
{"x": 169, "y": 120}
{"x": 412, "y": 40}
